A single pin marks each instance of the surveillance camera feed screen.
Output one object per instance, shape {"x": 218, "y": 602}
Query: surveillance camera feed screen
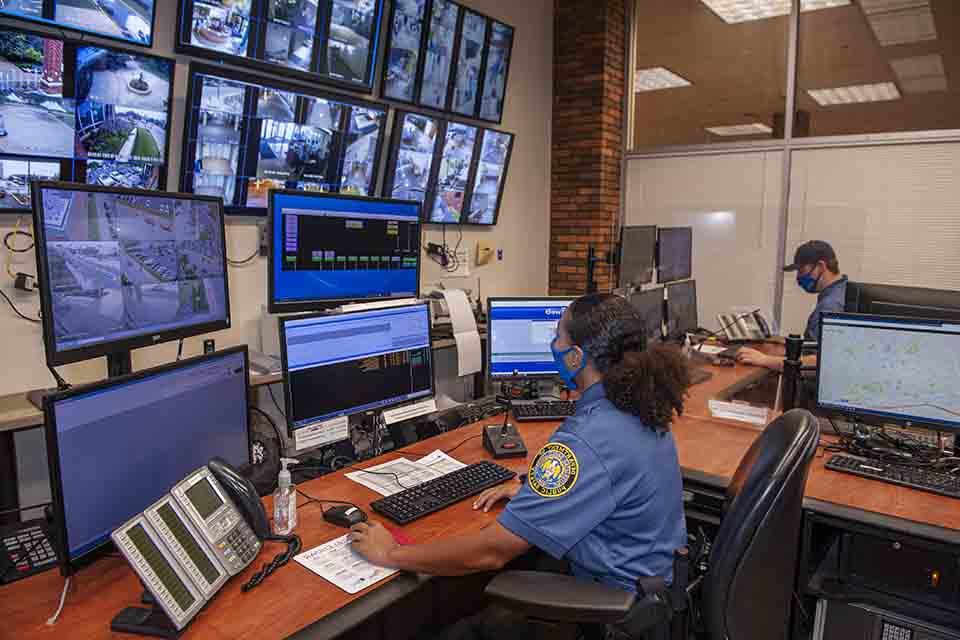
{"x": 418, "y": 141}
{"x": 439, "y": 54}
{"x": 454, "y": 173}
{"x": 335, "y": 248}
{"x": 121, "y": 266}
{"x": 250, "y": 138}
{"x": 289, "y": 33}
{"x": 488, "y": 183}
{"x": 466, "y": 90}
{"x": 495, "y": 76}
{"x": 404, "y": 54}
{"x": 124, "y": 19}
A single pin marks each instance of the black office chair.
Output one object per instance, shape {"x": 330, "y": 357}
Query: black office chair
{"x": 745, "y": 593}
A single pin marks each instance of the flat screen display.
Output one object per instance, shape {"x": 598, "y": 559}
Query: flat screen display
{"x": 489, "y": 178}
{"x": 495, "y": 74}
{"x": 521, "y": 331}
{"x": 466, "y": 89}
{"x": 246, "y": 138}
{"x": 403, "y": 56}
{"x": 414, "y": 157}
{"x": 128, "y": 20}
{"x": 439, "y": 54}
{"x": 452, "y": 181}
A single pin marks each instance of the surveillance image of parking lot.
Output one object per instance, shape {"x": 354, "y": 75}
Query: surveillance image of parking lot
{"x": 129, "y": 19}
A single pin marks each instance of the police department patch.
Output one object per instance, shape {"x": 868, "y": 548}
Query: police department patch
{"x": 554, "y": 471}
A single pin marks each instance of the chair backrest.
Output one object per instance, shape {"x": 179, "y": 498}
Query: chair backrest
{"x": 748, "y": 588}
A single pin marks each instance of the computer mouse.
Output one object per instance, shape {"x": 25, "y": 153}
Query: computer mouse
{"x": 344, "y": 515}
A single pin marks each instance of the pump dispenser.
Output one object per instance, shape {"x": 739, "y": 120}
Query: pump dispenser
{"x": 285, "y": 501}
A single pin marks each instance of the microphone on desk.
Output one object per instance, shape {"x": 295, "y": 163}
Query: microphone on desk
{"x": 723, "y": 329}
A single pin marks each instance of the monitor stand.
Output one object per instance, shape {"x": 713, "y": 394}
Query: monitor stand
{"x": 118, "y": 364}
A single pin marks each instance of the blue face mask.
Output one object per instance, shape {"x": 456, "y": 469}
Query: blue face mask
{"x": 568, "y": 376}
{"x": 807, "y": 282}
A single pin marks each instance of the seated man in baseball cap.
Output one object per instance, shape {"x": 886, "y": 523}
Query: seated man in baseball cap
{"x": 818, "y": 271}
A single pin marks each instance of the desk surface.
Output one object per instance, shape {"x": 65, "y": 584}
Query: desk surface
{"x": 294, "y": 598}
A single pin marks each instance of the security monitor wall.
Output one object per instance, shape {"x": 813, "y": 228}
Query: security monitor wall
{"x": 127, "y": 20}
{"x": 332, "y": 41}
{"x": 245, "y": 138}
{"x": 80, "y": 113}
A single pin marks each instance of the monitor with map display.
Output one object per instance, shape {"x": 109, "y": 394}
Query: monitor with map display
{"x": 889, "y": 370}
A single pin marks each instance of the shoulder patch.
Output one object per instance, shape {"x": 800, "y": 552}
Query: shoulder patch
{"x": 554, "y": 470}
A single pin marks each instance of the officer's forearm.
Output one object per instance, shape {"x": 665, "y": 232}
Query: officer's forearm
{"x": 486, "y": 550}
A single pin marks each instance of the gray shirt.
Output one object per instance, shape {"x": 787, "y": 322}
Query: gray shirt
{"x": 831, "y": 299}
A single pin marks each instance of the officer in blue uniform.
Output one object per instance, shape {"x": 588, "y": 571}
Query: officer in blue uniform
{"x": 605, "y": 494}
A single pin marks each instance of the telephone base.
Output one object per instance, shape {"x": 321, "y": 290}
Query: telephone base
{"x": 144, "y": 622}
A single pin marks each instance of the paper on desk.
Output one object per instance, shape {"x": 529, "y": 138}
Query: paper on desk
{"x": 741, "y": 412}
{"x": 441, "y": 462}
{"x": 465, "y": 332}
{"x": 337, "y": 562}
{"x": 385, "y": 476}
{"x": 710, "y": 349}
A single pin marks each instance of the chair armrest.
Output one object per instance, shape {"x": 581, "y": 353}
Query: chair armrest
{"x": 560, "y": 598}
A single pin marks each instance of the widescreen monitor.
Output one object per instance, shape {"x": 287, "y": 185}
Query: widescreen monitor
{"x": 116, "y": 447}
{"x": 127, "y": 20}
{"x": 412, "y": 156}
{"x": 124, "y": 268}
{"x": 333, "y": 41}
{"x": 486, "y": 193}
{"x": 682, "y": 308}
{"x": 880, "y": 369}
{"x": 455, "y": 163}
{"x": 438, "y": 63}
{"x": 328, "y": 249}
{"x": 649, "y": 304}
{"x": 246, "y": 137}
{"x": 674, "y": 253}
{"x": 638, "y": 255}
{"x": 362, "y": 360}
{"x": 520, "y": 331}
{"x": 913, "y": 302}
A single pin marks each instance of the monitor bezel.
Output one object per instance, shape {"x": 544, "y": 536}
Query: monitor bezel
{"x": 868, "y": 417}
{"x": 321, "y": 304}
{"x": 189, "y": 126}
{"x": 52, "y": 23}
{"x": 285, "y": 370}
{"x": 56, "y": 357}
{"x": 659, "y": 258}
{"x": 70, "y": 566}
{"x": 258, "y": 7}
{"x": 488, "y": 361}
{"x": 872, "y": 293}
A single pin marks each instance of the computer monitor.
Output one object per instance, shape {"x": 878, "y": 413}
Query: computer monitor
{"x": 328, "y": 249}
{"x": 126, "y": 268}
{"x": 682, "y": 308}
{"x": 519, "y": 333}
{"x": 116, "y": 447}
{"x": 341, "y": 364}
{"x": 649, "y": 304}
{"x": 880, "y": 369}
{"x": 912, "y": 302}
{"x": 675, "y": 254}
{"x": 638, "y": 253}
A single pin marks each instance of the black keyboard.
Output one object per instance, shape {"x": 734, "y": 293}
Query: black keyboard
{"x": 543, "y": 411}
{"x": 27, "y": 550}
{"x": 433, "y": 495}
{"x": 914, "y": 477}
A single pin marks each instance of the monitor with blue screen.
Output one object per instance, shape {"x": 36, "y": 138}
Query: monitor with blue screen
{"x": 362, "y": 360}
{"x": 327, "y": 249}
{"x": 118, "y": 446}
{"x": 520, "y": 332}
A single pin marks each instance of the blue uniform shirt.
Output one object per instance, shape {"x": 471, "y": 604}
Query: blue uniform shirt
{"x": 606, "y": 494}
{"x": 831, "y": 299}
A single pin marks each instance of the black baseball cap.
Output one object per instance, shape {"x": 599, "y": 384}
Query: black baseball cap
{"x": 811, "y": 253}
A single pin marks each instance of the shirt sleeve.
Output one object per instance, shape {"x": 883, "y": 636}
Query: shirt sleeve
{"x": 567, "y": 494}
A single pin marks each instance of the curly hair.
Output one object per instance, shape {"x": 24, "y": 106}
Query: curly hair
{"x": 649, "y": 383}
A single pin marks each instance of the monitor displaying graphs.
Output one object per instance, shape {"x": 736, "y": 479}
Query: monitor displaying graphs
{"x": 244, "y": 138}
{"x": 444, "y": 56}
{"x": 80, "y": 113}
{"x": 331, "y": 40}
{"x": 128, "y": 20}
{"x": 456, "y": 171}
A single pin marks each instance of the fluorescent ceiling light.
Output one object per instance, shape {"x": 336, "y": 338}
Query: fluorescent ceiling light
{"x": 755, "y": 129}
{"x": 854, "y": 94}
{"x": 903, "y": 27}
{"x": 658, "y": 78}
{"x": 920, "y": 74}
{"x": 734, "y": 11}
{"x": 883, "y": 6}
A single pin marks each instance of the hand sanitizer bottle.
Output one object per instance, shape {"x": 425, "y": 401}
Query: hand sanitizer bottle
{"x": 284, "y": 501}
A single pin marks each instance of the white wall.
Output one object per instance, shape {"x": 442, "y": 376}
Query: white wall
{"x": 522, "y": 232}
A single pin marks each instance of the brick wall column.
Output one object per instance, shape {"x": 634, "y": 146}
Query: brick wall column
{"x": 588, "y": 69}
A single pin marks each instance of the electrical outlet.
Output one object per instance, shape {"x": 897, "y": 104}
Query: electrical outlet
{"x": 264, "y": 240}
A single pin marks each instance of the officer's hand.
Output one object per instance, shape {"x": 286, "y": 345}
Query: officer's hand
{"x": 373, "y": 542}
{"x": 754, "y": 358}
{"x": 493, "y": 495}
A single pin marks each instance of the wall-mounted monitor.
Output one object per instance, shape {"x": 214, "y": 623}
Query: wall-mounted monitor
{"x": 127, "y": 20}
{"x": 245, "y": 137}
{"x": 447, "y": 57}
{"x": 456, "y": 170}
{"x": 80, "y": 113}
{"x": 332, "y": 41}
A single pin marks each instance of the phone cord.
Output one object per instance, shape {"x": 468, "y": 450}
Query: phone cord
{"x": 293, "y": 548}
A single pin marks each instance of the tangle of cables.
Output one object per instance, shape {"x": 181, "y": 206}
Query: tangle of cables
{"x": 900, "y": 448}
